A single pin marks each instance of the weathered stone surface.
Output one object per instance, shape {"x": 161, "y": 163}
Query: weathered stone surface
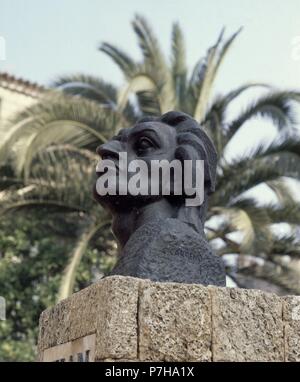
{"x": 107, "y": 308}
{"x": 116, "y": 322}
{"x": 54, "y": 326}
{"x": 291, "y": 316}
{"x": 247, "y": 325}
{"x": 129, "y": 319}
{"x": 174, "y": 322}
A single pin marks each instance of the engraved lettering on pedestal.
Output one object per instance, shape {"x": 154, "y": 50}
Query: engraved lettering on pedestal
{"x": 79, "y": 350}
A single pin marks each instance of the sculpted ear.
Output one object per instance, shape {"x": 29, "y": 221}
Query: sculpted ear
{"x": 192, "y": 148}
{"x": 211, "y": 160}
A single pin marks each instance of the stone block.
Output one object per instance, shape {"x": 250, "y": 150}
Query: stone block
{"x": 107, "y": 308}
{"x": 247, "y": 325}
{"x": 129, "y": 319}
{"x": 291, "y": 316}
{"x": 174, "y": 322}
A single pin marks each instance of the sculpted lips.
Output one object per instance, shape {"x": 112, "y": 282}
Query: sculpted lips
{"x": 114, "y": 165}
{"x": 110, "y": 162}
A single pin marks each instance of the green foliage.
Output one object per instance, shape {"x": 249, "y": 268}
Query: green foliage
{"x": 32, "y": 258}
{"x": 29, "y": 274}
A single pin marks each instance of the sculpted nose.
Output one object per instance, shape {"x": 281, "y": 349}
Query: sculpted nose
{"x": 109, "y": 150}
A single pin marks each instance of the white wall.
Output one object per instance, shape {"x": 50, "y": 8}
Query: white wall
{"x": 12, "y": 102}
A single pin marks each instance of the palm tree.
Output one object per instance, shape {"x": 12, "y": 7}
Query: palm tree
{"x": 82, "y": 111}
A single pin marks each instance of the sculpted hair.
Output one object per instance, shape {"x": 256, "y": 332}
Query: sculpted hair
{"x": 193, "y": 144}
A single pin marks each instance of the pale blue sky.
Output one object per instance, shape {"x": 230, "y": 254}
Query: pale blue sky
{"x": 46, "y": 38}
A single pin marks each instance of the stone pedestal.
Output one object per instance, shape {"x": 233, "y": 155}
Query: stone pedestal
{"x": 129, "y": 319}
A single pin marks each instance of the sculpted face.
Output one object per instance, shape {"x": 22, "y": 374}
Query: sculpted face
{"x": 145, "y": 141}
{"x": 160, "y": 237}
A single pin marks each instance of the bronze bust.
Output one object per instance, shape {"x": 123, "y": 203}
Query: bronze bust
{"x": 159, "y": 236}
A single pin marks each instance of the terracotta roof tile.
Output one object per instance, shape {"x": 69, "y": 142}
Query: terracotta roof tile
{"x": 20, "y": 85}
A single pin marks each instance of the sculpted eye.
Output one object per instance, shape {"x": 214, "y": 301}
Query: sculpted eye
{"x": 143, "y": 144}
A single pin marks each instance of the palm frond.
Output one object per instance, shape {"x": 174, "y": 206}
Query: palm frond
{"x": 263, "y": 216}
{"x": 282, "y": 190}
{"x": 8, "y": 178}
{"x": 276, "y": 107}
{"x": 224, "y": 50}
{"x": 64, "y": 180}
{"x": 238, "y": 178}
{"x": 89, "y": 87}
{"x": 251, "y": 220}
{"x": 286, "y": 212}
{"x": 179, "y": 68}
{"x": 205, "y": 72}
{"x": 276, "y": 274}
{"x": 122, "y": 59}
{"x": 282, "y": 153}
{"x": 279, "y": 146}
{"x": 148, "y": 103}
{"x": 286, "y": 244}
{"x": 214, "y": 120}
{"x": 59, "y": 119}
{"x": 154, "y": 63}
{"x": 265, "y": 167}
{"x": 221, "y": 102}
{"x": 142, "y": 82}
{"x": 148, "y": 42}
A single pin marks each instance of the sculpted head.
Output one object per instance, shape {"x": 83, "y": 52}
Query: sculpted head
{"x": 173, "y": 136}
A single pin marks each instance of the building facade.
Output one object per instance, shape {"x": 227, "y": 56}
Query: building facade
{"x": 15, "y": 95}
